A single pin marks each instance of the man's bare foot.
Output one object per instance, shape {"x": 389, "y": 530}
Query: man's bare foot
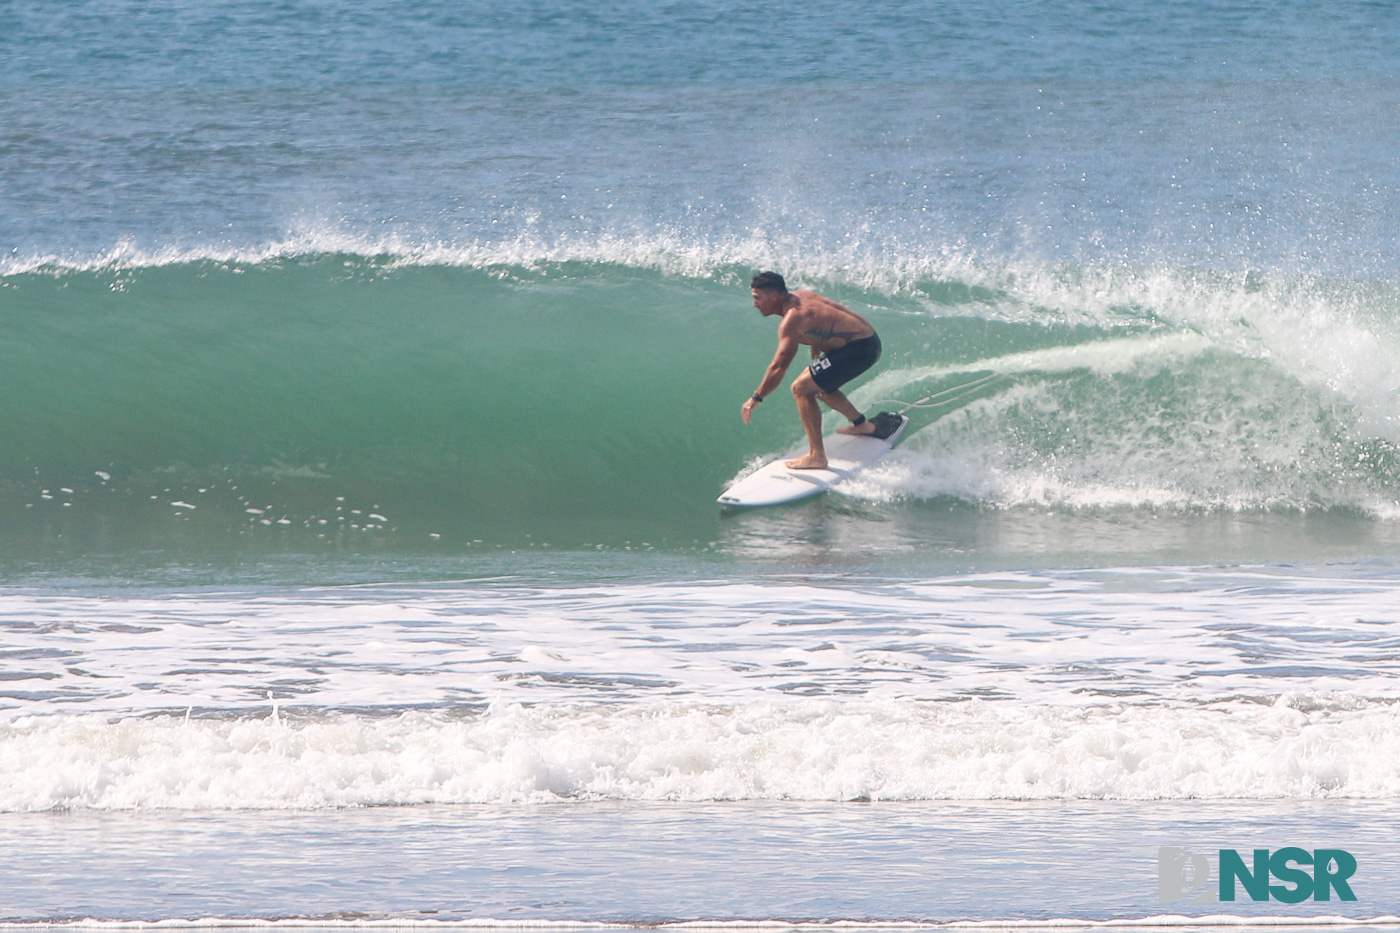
{"x": 865, "y": 427}
{"x": 809, "y": 462}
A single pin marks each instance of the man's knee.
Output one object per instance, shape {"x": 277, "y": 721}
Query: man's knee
{"x": 805, "y": 385}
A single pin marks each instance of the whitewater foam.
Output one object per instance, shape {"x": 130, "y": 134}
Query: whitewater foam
{"x": 1014, "y": 636}
{"x": 703, "y": 751}
{"x": 1002, "y": 686}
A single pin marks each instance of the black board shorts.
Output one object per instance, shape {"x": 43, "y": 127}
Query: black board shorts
{"x": 835, "y": 368}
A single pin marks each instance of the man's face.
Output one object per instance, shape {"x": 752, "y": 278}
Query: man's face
{"x": 767, "y": 300}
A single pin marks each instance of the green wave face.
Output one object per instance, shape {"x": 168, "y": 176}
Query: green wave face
{"x": 379, "y": 403}
{"x": 486, "y": 404}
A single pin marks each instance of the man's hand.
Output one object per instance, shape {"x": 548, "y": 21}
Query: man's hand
{"x": 747, "y": 411}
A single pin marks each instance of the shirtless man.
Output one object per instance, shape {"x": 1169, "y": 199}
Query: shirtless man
{"x": 844, "y": 345}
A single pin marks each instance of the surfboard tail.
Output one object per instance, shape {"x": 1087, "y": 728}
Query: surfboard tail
{"x": 886, "y": 424}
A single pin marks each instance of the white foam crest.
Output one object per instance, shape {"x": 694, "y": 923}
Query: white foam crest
{"x": 1333, "y": 335}
{"x": 525, "y": 249}
{"x": 674, "y": 249}
{"x": 695, "y": 751}
{"x": 525, "y": 239}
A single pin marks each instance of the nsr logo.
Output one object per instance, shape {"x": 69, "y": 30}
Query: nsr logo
{"x": 1181, "y": 873}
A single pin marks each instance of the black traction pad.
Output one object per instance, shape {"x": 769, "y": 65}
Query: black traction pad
{"x": 886, "y": 423}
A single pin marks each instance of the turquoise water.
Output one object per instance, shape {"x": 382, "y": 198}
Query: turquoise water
{"x": 370, "y": 373}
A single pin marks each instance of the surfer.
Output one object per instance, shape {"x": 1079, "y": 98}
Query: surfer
{"x": 843, "y": 346}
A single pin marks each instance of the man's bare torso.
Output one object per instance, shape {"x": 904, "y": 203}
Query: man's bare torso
{"x": 821, "y": 323}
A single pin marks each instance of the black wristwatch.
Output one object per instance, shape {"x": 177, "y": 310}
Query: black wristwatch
{"x": 756, "y": 397}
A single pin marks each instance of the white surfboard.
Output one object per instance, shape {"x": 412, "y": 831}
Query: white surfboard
{"x": 846, "y": 454}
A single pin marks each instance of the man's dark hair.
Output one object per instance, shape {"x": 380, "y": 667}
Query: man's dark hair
{"x": 768, "y": 282}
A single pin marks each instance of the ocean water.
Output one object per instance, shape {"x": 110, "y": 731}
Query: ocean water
{"x": 370, "y": 371}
